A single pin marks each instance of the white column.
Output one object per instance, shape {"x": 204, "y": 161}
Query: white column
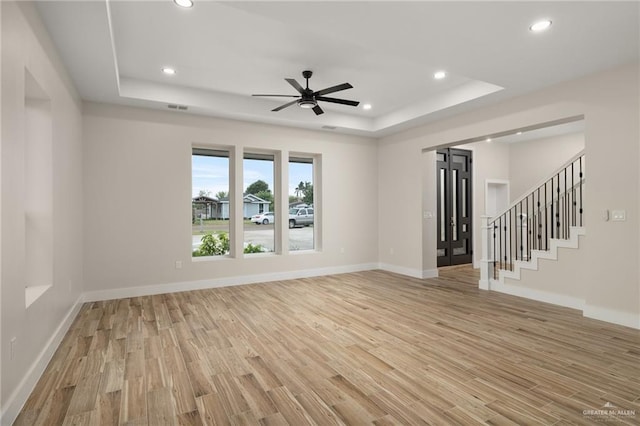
{"x": 485, "y": 261}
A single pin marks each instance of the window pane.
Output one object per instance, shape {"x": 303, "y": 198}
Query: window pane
{"x": 301, "y": 217}
{"x": 258, "y": 197}
{"x": 210, "y": 202}
{"x": 443, "y": 217}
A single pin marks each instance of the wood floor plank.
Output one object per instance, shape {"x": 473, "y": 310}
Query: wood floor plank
{"x": 363, "y": 348}
{"x": 108, "y": 408}
{"x": 85, "y": 395}
{"x": 160, "y": 409}
{"x": 317, "y": 409}
{"x": 211, "y": 410}
{"x": 289, "y": 407}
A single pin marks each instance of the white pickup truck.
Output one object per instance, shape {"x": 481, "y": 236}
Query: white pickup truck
{"x": 300, "y": 216}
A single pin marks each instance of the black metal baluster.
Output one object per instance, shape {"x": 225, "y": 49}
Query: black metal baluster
{"x": 565, "y": 214}
{"x": 581, "y": 189}
{"x": 500, "y": 232}
{"x": 528, "y": 230}
{"x": 546, "y": 220}
{"x": 558, "y": 209}
{"x": 521, "y": 232}
{"x": 494, "y": 250}
{"x": 515, "y": 212}
{"x": 507, "y": 242}
{"x": 511, "y": 238}
{"x": 573, "y": 196}
{"x": 538, "y": 224}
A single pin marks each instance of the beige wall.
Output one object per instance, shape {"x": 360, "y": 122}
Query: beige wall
{"x": 137, "y": 174}
{"x": 532, "y": 162}
{"x": 609, "y": 102}
{"x": 26, "y": 46}
{"x": 490, "y": 161}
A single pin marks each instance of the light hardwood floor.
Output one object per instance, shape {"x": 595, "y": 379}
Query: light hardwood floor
{"x": 361, "y": 348}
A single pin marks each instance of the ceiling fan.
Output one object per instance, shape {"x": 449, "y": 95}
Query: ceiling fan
{"x": 309, "y": 99}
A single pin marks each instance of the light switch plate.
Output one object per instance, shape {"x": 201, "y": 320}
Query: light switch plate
{"x": 618, "y": 215}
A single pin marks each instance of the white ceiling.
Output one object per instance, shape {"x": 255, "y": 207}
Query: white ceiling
{"x": 225, "y": 51}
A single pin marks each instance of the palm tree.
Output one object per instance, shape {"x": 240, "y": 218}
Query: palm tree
{"x": 299, "y": 190}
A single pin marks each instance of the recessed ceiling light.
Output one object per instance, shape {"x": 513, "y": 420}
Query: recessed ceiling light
{"x": 540, "y": 26}
{"x": 439, "y": 75}
{"x": 366, "y": 106}
{"x": 183, "y": 3}
{"x": 519, "y": 133}
{"x": 168, "y": 71}
{"x": 488, "y": 140}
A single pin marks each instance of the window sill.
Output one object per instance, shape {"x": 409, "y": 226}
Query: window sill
{"x": 199, "y": 259}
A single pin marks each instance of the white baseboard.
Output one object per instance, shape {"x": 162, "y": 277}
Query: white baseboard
{"x": 17, "y": 399}
{"x": 540, "y": 296}
{"x": 628, "y": 319}
{"x": 120, "y": 293}
{"x": 410, "y": 272}
{"x": 430, "y": 273}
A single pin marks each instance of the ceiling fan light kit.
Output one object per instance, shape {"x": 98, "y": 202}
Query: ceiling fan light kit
{"x": 308, "y": 99}
{"x": 306, "y": 103}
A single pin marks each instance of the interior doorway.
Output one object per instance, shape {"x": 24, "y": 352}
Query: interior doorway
{"x": 454, "y": 207}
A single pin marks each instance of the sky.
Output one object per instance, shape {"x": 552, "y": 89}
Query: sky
{"x": 212, "y": 174}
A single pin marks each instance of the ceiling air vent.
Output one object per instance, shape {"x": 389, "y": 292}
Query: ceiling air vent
{"x": 329, "y": 127}
{"x": 178, "y": 107}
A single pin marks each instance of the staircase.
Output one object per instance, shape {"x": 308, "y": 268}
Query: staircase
{"x": 551, "y": 254}
{"x": 534, "y": 229}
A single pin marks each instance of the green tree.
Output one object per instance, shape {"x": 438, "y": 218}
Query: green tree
{"x": 222, "y": 194}
{"x": 265, "y": 195}
{"x": 307, "y": 192}
{"x": 204, "y": 193}
{"x": 256, "y": 187}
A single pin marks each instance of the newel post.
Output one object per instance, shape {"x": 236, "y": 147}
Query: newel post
{"x": 485, "y": 261}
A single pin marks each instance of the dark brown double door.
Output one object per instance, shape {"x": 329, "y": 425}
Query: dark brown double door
{"x": 454, "y": 207}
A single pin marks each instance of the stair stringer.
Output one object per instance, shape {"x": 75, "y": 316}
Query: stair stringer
{"x": 545, "y": 277}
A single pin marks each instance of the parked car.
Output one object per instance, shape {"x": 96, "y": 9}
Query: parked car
{"x": 263, "y": 218}
{"x": 300, "y": 216}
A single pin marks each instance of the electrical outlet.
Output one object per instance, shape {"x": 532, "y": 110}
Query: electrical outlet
{"x": 13, "y": 347}
{"x": 391, "y": 251}
{"x": 178, "y": 264}
{"x": 341, "y": 249}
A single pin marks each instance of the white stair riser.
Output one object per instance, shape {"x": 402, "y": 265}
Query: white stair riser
{"x": 551, "y": 254}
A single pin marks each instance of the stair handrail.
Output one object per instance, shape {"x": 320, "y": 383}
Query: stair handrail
{"x": 540, "y": 184}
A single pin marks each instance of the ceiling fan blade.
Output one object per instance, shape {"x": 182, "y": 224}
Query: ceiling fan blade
{"x": 339, "y": 87}
{"x": 280, "y": 96}
{"x": 295, "y": 85}
{"x": 288, "y": 104}
{"x": 318, "y": 110}
{"x": 337, "y": 101}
